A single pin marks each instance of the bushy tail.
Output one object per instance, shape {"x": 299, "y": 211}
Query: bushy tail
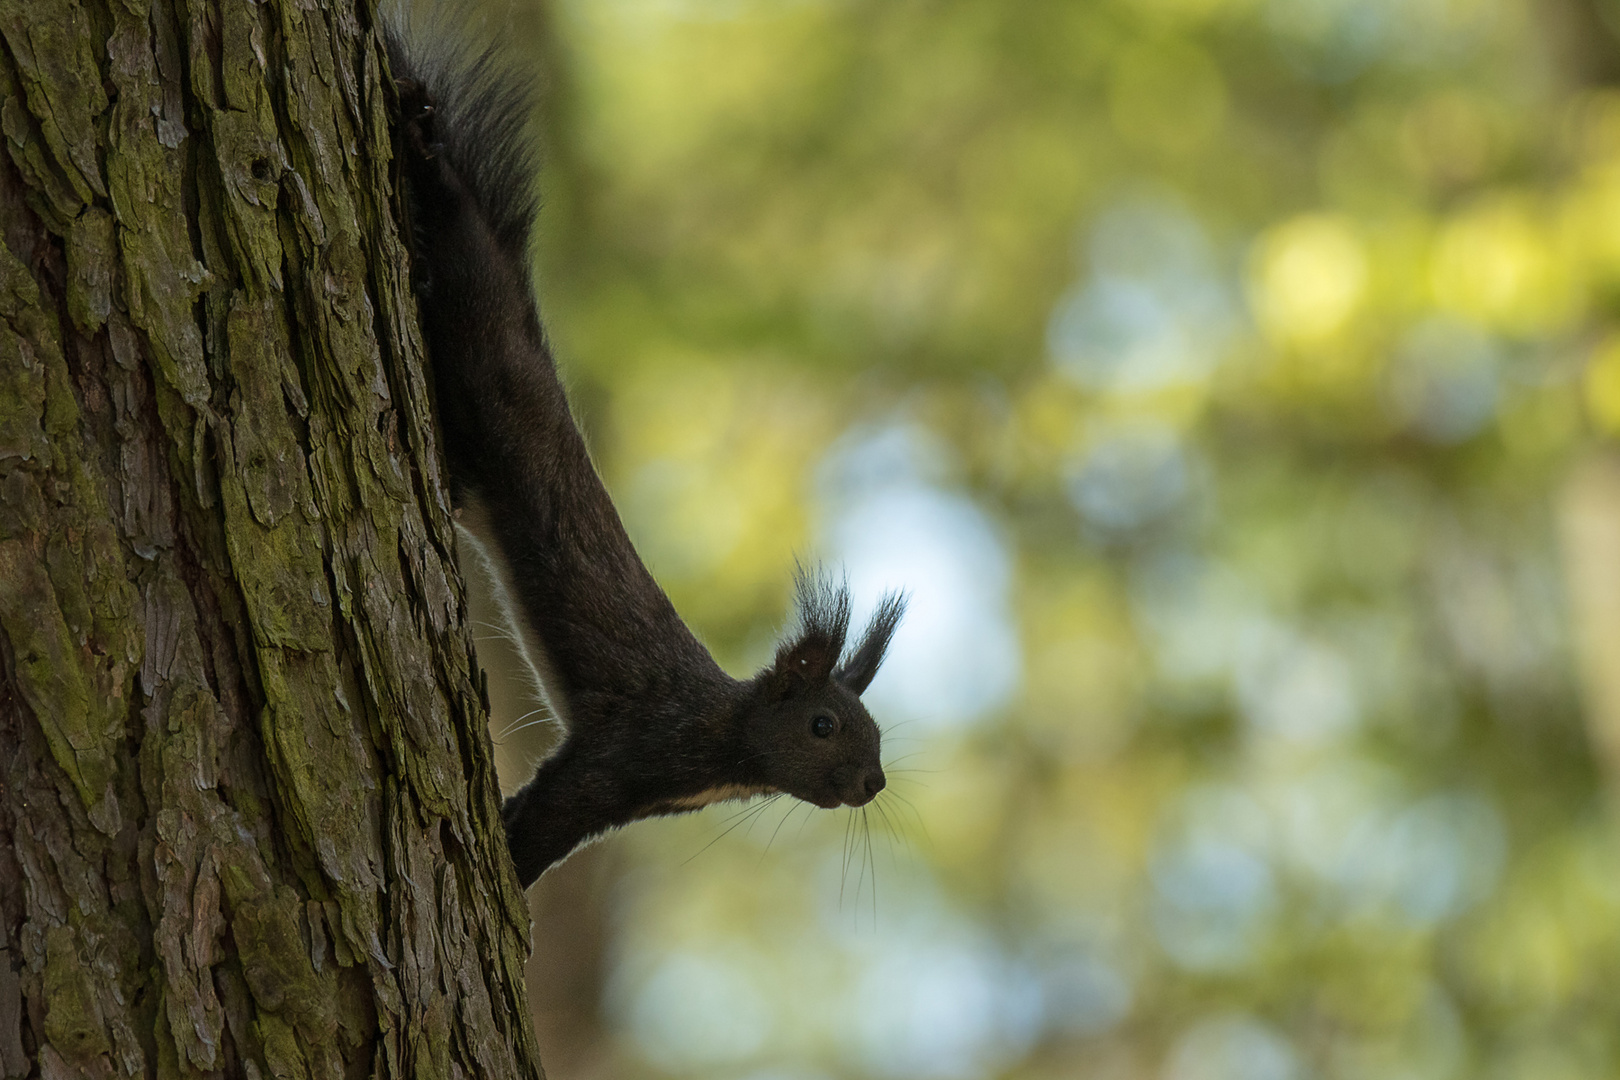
{"x": 483, "y": 105}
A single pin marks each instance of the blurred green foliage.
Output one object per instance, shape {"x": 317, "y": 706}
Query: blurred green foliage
{"x": 1217, "y": 373}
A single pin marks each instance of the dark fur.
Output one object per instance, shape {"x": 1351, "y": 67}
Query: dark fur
{"x": 654, "y": 726}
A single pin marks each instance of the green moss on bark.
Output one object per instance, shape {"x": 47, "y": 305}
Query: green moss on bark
{"x": 233, "y": 656}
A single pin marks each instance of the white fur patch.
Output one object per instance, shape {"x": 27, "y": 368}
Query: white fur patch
{"x": 473, "y": 526}
{"x": 723, "y": 793}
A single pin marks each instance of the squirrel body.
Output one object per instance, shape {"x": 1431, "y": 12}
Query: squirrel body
{"x": 653, "y": 725}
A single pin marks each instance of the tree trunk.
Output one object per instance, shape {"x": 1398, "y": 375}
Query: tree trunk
{"x": 248, "y": 821}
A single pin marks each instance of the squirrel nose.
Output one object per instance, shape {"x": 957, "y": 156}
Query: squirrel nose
{"x": 874, "y": 783}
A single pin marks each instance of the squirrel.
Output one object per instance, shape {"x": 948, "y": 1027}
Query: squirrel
{"x": 653, "y": 725}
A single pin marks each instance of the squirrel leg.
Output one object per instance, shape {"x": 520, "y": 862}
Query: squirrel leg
{"x": 565, "y": 804}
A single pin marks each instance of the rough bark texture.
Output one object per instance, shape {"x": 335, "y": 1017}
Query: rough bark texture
{"x": 248, "y": 822}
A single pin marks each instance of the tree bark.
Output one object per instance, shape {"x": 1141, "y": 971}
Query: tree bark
{"x": 248, "y": 820}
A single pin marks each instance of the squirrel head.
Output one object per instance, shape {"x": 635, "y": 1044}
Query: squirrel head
{"x": 806, "y": 726}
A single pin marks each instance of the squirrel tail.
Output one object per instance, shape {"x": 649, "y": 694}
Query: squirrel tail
{"x": 482, "y": 101}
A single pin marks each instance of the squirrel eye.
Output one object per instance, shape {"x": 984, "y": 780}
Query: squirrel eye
{"x": 821, "y": 727}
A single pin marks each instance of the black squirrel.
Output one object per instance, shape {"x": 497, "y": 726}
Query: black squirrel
{"x": 653, "y": 725}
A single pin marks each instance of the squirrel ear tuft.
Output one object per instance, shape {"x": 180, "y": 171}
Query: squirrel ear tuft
{"x": 857, "y": 673}
{"x": 811, "y": 653}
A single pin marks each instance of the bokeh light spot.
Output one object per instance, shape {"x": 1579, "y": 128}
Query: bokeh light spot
{"x": 1308, "y": 276}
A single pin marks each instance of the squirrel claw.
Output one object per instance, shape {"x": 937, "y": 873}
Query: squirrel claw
{"x": 417, "y": 111}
